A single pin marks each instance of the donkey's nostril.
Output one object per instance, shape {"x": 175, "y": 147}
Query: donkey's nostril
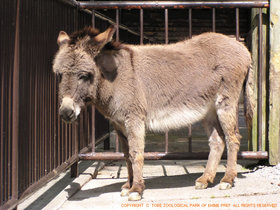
{"x": 67, "y": 114}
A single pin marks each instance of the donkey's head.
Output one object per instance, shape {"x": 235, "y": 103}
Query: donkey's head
{"x": 76, "y": 69}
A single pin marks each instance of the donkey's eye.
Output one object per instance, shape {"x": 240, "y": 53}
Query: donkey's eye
{"x": 86, "y": 77}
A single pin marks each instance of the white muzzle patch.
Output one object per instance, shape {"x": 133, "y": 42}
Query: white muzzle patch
{"x": 70, "y": 104}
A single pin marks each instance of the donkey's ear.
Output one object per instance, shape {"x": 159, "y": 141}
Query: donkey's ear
{"x": 62, "y": 38}
{"x": 108, "y": 64}
{"x": 105, "y": 37}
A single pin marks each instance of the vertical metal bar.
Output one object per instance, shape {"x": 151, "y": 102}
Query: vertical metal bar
{"x": 44, "y": 129}
{"x": 166, "y": 26}
{"x": 66, "y": 133}
{"x": 81, "y": 129}
{"x": 237, "y": 23}
{"x": 9, "y": 134}
{"x": 92, "y": 108}
{"x": 260, "y": 69}
{"x": 49, "y": 124}
{"x": 15, "y": 109}
{"x": 74, "y": 170}
{"x": 190, "y": 23}
{"x": 117, "y": 25}
{"x": 35, "y": 137}
{"x": 56, "y": 124}
{"x": 2, "y": 79}
{"x": 40, "y": 122}
{"x": 93, "y": 18}
{"x": 166, "y": 42}
{"x": 89, "y": 125}
{"x": 141, "y": 26}
{"x": 31, "y": 117}
{"x": 117, "y": 143}
{"x": 52, "y": 136}
{"x": 70, "y": 129}
{"x": 190, "y": 138}
{"x": 214, "y": 19}
{"x": 166, "y": 141}
{"x": 93, "y": 128}
{"x": 59, "y": 129}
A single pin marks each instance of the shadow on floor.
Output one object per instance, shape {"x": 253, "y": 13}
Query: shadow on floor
{"x": 54, "y": 190}
{"x": 162, "y": 182}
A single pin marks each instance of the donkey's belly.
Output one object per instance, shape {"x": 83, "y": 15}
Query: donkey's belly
{"x": 163, "y": 120}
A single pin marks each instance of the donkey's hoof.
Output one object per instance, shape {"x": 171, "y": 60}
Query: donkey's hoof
{"x": 134, "y": 196}
{"x": 200, "y": 185}
{"x": 124, "y": 192}
{"x": 225, "y": 186}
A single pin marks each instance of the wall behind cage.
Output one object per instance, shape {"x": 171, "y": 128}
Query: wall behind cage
{"x": 45, "y": 143}
{"x": 7, "y": 37}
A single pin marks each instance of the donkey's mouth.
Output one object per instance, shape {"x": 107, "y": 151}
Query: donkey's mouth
{"x": 68, "y": 110}
{"x": 68, "y": 117}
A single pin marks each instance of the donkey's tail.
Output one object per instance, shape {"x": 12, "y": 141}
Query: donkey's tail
{"x": 249, "y": 102}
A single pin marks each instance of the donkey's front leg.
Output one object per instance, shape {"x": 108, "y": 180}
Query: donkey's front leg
{"x": 135, "y": 135}
{"x": 126, "y": 187}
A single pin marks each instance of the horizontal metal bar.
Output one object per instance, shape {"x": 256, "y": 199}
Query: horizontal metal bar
{"x": 172, "y": 4}
{"x": 170, "y": 155}
{"x": 70, "y": 2}
{"x": 10, "y": 204}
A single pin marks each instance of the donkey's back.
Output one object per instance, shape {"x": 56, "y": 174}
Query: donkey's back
{"x": 183, "y": 81}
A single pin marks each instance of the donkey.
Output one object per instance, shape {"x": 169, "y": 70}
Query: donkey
{"x": 157, "y": 88}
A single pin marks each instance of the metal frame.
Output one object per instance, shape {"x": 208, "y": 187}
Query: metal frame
{"x": 181, "y": 5}
{"x": 171, "y": 4}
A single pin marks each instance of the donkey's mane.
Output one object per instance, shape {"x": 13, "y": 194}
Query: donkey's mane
{"x": 92, "y": 32}
{"x": 80, "y": 34}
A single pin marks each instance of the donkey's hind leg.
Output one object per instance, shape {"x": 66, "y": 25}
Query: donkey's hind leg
{"x": 227, "y": 114}
{"x": 126, "y": 187}
{"x": 216, "y": 144}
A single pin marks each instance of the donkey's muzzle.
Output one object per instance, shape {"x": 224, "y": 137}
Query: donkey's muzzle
{"x": 68, "y": 111}
{"x": 67, "y": 114}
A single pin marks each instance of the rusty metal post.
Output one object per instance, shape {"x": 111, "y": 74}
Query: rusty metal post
{"x": 214, "y": 19}
{"x": 141, "y": 26}
{"x": 166, "y": 25}
{"x": 117, "y": 39}
{"x": 15, "y": 108}
{"x": 237, "y": 23}
{"x": 166, "y": 141}
{"x": 166, "y": 42}
{"x": 74, "y": 170}
{"x": 190, "y": 138}
{"x": 117, "y": 143}
{"x": 93, "y": 128}
{"x": 190, "y": 23}
{"x": 118, "y": 25}
{"x": 93, "y": 18}
{"x": 260, "y": 70}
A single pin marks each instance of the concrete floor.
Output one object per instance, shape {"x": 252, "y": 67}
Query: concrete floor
{"x": 169, "y": 185}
